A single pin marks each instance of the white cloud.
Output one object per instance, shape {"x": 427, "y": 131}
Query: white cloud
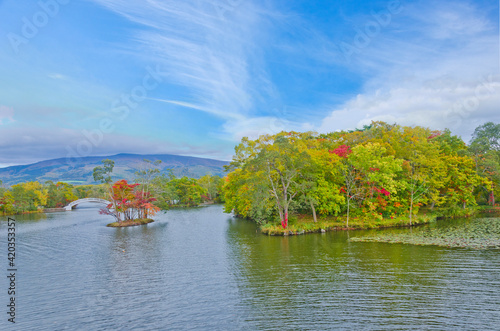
{"x": 460, "y": 109}
{"x": 37, "y": 144}
{"x": 422, "y": 80}
{"x": 254, "y": 127}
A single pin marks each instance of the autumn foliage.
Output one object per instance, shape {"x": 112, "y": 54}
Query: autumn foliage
{"x": 381, "y": 171}
{"x": 128, "y": 203}
{"x": 342, "y": 151}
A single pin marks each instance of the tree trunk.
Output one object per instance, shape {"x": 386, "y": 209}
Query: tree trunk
{"x": 411, "y": 207}
{"x": 281, "y": 217}
{"x": 286, "y": 215}
{"x": 348, "y": 201}
{"x": 313, "y": 210}
{"x": 110, "y": 192}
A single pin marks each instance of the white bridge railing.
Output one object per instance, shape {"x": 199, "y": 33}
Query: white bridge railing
{"x": 76, "y": 202}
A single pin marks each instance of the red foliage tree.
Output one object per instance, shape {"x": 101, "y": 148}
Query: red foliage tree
{"x": 342, "y": 151}
{"x": 129, "y": 203}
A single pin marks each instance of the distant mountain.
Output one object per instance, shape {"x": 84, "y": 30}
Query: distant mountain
{"x": 79, "y": 170}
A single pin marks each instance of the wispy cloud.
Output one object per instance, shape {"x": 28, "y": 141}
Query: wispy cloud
{"x": 57, "y": 76}
{"x": 216, "y": 112}
{"x": 208, "y": 47}
{"x": 451, "y": 20}
{"x": 234, "y": 68}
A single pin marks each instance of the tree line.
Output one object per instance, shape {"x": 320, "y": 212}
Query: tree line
{"x": 150, "y": 188}
{"x": 381, "y": 171}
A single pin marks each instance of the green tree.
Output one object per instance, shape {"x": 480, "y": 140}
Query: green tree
{"x": 2, "y": 188}
{"x": 28, "y": 196}
{"x": 7, "y": 203}
{"x": 188, "y": 191}
{"x": 284, "y": 165}
{"x": 145, "y": 176}
{"x": 209, "y": 184}
{"x": 485, "y": 148}
{"x": 59, "y": 194}
{"x": 163, "y": 188}
{"x": 422, "y": 168}
{"x": 486, "y": 137}
{"x": 103, "y": 173}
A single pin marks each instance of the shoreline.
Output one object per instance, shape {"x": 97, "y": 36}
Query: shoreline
{"x": 306, "y": 225}
{"x": 124, "y": 224}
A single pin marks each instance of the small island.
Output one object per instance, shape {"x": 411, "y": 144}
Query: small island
{"x": 129, "y": 206}
{"x": 139, "y": 221}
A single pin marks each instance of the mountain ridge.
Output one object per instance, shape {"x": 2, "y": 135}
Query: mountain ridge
{"x": 78, "y": 170}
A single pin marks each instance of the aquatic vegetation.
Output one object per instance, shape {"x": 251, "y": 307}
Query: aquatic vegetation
{"x": 480, "y": 233}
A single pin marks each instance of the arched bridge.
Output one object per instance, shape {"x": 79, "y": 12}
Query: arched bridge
{"x": 76, "y": 202}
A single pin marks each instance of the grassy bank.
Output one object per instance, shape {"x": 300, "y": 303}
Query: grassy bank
{"x": 305, "y": 224}
{"x": 478, "y": 233}
{"x": 136, "y": 222}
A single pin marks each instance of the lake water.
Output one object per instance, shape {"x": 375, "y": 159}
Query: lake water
{"x": 202, "y": 269}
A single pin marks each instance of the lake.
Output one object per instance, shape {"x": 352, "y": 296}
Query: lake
{"x": 202, "y": 269}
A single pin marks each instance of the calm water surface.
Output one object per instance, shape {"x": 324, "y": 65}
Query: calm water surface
{"x": 203, "y": 269}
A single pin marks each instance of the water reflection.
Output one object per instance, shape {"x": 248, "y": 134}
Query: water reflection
{"x": 23, "y": 218}
{"x": 285, "y": 279}
{"x": 125, "y": 267}
{"x": 201, "y": 269}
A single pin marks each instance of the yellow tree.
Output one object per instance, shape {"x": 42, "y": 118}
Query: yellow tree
{"x": 29, "y": 196}
{"x": 272, "y": 171}
{"x": 370, "y": 169}
{"x": 324, "y": 193}
{"x": 284, "y": 167}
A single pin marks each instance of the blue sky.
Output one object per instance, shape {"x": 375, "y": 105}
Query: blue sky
{"x": 102, "y": 77}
